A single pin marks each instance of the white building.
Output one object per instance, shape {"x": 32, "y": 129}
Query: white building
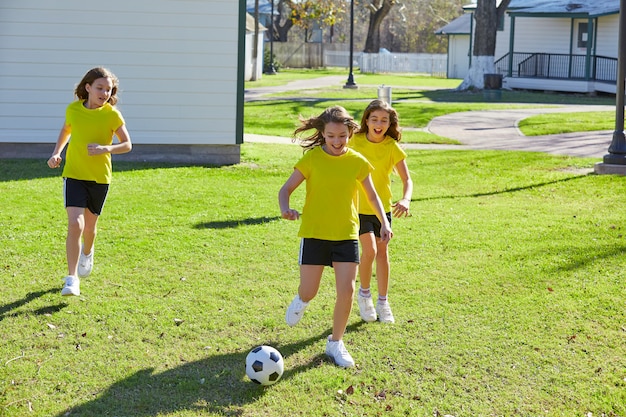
{"x": 556, "y": 45}
{"x": 180, "y": 65}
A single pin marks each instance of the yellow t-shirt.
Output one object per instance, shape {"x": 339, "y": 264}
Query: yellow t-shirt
{"x": 90, "y": 126}
{"x": 383, "y": 156}
{"x": 329, "y": 211}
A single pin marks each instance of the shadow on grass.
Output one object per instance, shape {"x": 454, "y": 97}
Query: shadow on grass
{"x": 6, "y": 310}
{"x": 216, "y": 384}
{"x": 577, "y": 259}
{"x": 232, "y": 224}
{"x": 504, "y": 191}
{"x": 29, "y": 169}
{"x": 508, "y": 96}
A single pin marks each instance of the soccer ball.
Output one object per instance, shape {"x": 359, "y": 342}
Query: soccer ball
{"x": 264, "y": 365}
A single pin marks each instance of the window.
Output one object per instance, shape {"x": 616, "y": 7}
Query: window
{"x": 583, "y": 34}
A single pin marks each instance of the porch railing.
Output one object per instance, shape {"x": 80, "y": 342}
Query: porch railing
{"x": 557, "y": 66}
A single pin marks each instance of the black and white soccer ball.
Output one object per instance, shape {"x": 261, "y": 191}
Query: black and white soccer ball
{"x": 264, "y": 365}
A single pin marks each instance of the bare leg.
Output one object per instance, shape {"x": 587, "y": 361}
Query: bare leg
{"x": 368, "y": 254}
{"x": 89, "y": 232}
{"x": 310, "y": 278}
{"x": 75, "y": 227}
{"x": 382, "y": 267}
{"x": 345, "y": 277}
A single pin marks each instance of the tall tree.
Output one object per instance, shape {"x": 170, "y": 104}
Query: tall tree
{"x": 487, "y": 15}
{"x": 379, "y": 9}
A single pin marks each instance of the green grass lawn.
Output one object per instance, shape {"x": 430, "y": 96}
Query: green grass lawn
{"x": 551, "y": 124}
{"x": 418, "y": 100}
{"x": 507, "y": 286}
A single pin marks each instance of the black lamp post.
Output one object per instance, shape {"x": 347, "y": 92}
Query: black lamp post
{"x": 350, "y": 83}
{"x": 617, "y": 149}
{"x": 271, "y": 70}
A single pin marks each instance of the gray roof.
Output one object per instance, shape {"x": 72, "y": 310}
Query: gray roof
{"x": 460, "y": 26}
{"x": 584, "y": 7}
{"x": 591, "y": 8}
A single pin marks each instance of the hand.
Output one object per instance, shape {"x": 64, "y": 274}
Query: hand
{"x": 385, "y": 233}
{"x": 401, "y": 208}
{"x": 290, "y": 214}
{"x": 54, "y": 161}
{"x": 96, "y": 149}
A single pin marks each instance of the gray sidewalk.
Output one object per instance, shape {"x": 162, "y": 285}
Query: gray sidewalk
{"x": 477, "y": 130}
{"x": 497, "y": 130}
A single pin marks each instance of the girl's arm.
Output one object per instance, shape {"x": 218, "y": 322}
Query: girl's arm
{"x": 64, "y": 137}
{"x": 401, "y": 208}
{"x": 123, "y": 146}
{"x": 385, "y": 229}
{"x": 292, "y": 183}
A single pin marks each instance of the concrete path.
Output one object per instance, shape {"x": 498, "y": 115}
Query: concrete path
{"x": 495, "y": 129}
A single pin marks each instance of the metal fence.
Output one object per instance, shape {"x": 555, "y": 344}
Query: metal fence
{"x": 558, "y": 66}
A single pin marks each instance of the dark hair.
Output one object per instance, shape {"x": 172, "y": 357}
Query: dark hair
{"x": 394, "y": 130}
{"x": 335, "y": 114}
{"x": 91, "y": 76}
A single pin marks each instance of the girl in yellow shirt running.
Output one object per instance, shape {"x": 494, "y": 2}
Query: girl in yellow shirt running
{"x": 91, "y": 121}
{"x": 330, "y": 223}
{"x": 377, "y": 140}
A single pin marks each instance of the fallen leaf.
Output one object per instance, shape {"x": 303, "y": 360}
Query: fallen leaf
{"x": 178, "y": 322}
{"x": 51, "y": 326}
{"x": 350, "y": 390}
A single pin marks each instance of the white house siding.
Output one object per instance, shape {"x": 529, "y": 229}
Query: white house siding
{"x": 607, "y": 36}
{"x": 548, "y": 35}
{"x": 177, "y": 61}
{"x": 250, "y": 71}
{"x": 458, "y": 55}
{"x": 502, "y": 39}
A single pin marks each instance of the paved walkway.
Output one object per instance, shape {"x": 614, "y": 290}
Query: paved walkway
{"x": 495, "y": 129}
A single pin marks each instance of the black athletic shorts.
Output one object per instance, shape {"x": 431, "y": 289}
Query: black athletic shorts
{"x": 369, "y": 223}
{"x": 325, "y": 252}
{"x": 85, "y": 194}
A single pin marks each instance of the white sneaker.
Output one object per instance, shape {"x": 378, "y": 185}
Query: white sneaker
{"x": 295, "y": 311}
{"x": 72, "y": 286}
{"x": 336, "y": 350}
{"x": 366, "y": 308}
{"x": 384, "y": 313}
{"x": 85, "y": 264}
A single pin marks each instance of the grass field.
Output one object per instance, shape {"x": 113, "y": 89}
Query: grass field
{"x": 507, "y": 286}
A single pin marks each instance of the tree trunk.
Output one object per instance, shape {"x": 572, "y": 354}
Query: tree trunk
{"x": 282, "y": 30}
{"x": 486, "y": 17}
{"x": 377, "y": 13}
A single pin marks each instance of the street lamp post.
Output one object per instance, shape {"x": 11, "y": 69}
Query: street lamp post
{"x": 617, "y": 149}
{"x": 350, "y": 83}
{"x": 271, "y": 70}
